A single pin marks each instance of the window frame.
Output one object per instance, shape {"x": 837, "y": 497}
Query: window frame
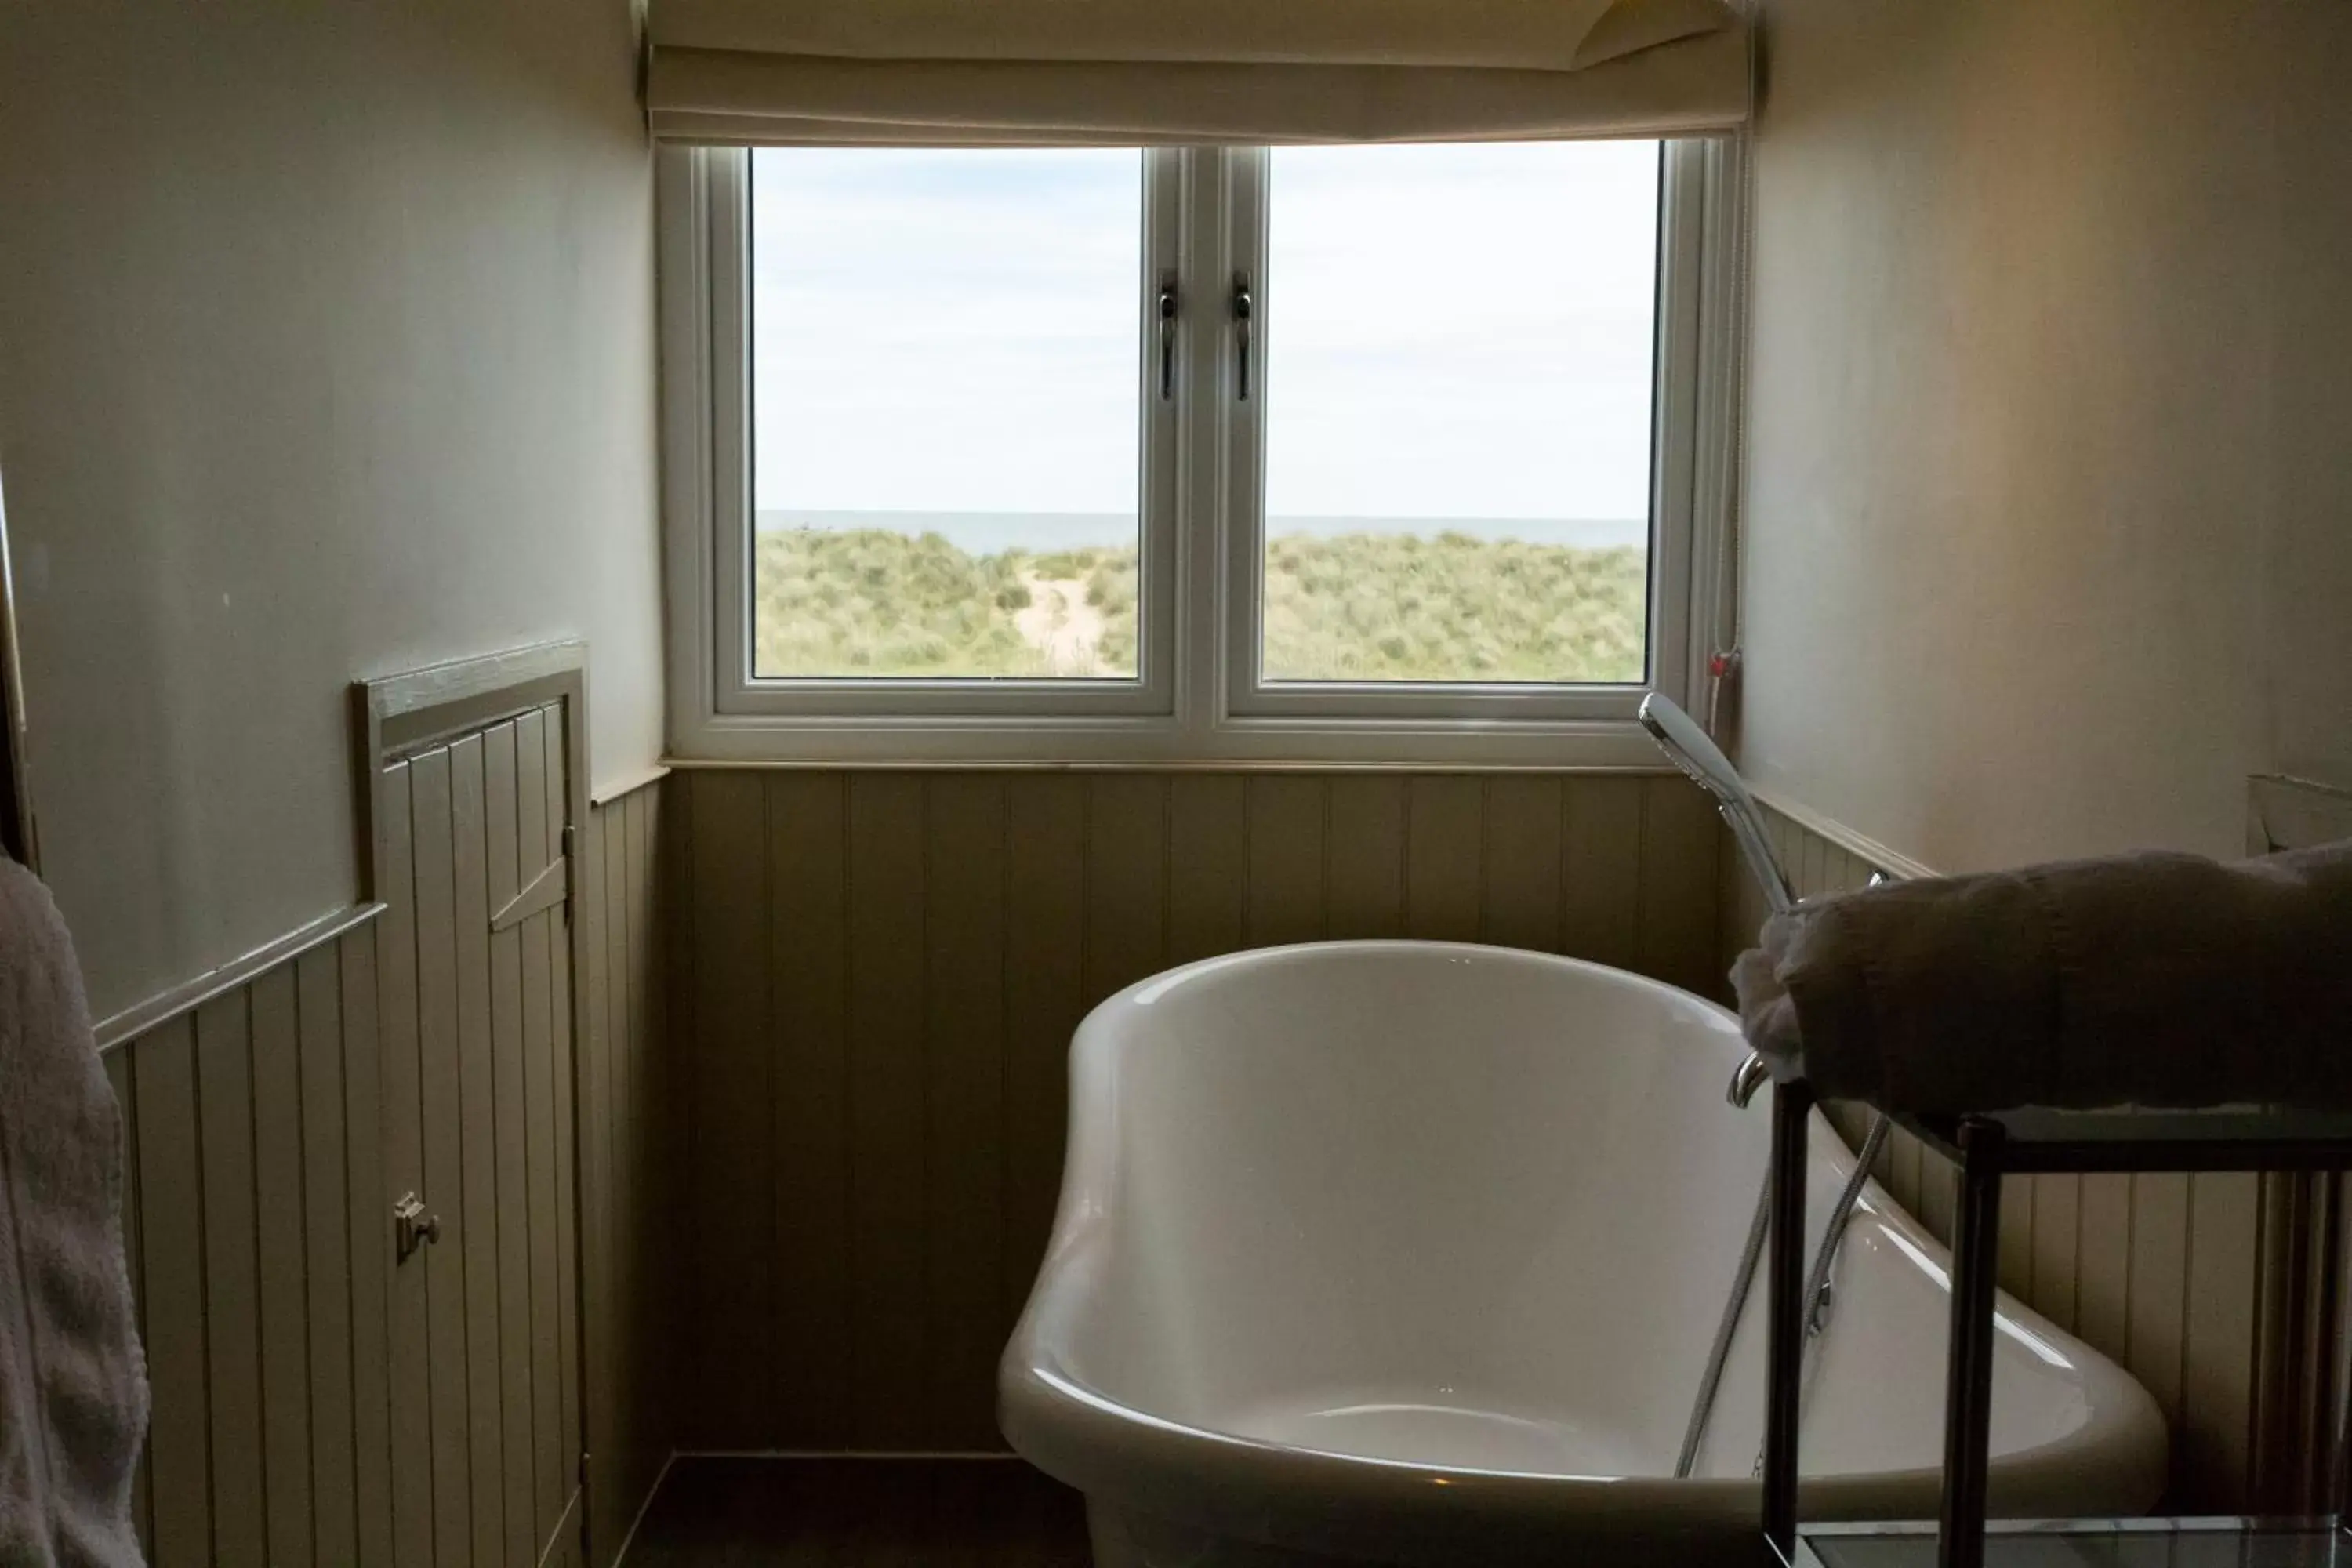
{"x": 1197, "y": 697}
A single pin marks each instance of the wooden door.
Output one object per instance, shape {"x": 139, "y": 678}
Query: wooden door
{"x": 478, "y": 1045}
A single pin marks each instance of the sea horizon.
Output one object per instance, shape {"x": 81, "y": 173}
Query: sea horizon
{"x": 993, "y": 532}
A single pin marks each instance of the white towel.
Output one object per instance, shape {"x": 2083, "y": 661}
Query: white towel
{"x": 73, "y": 1381}
{"x": 2156, "y": 980}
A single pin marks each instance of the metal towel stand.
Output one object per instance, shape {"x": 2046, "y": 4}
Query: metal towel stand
{"x": 1986, "y": 1149}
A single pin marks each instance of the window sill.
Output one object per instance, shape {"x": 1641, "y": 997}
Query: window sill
{"x": 1233, "y": 744}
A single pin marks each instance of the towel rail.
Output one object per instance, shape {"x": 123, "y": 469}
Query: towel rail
{"x": 1989, "y": 1148}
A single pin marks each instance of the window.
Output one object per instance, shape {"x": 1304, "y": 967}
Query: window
{"x": 1390, "y": 453}
{"x": 1458, "y": 411}
{"x": 944, "y": 404}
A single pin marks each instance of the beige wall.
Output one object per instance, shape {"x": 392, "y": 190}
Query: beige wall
{"x": 325, "y": 349}
{"x": 2051, "y": 497}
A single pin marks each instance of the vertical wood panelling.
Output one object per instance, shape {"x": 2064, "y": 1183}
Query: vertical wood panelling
{"x": 503, "y": 870}
{"x": 2057, "y": 1211}
{"x": 1364, "y": 867}
{"x": 963, "y": 1105}
{"x": 556, "y": 782}
{"x": 403, "y": 1163}
{"x": 1742, "y": 907}
{"x": 644, "y": 1228}
{"x": 888, "y": 1095}
{"x": 929, "y": 1201}
{"x": 441, "y": 1102}
{"x": 1909, "y": 1157}
{"x": 1045, "y": 995}
{"x": 733, "y": 1111}
{"x": 279, "y": 1222}
{"x": 602, "y": 841}
{"x": 563, "y": 1044}
{"x": 885, "y": 971}
{"x": 477, "y": 1194}
{"x": 1127, "y": 870}
{"x": 327, "y": 1256}
{"x": 171, "y": 1262}
{"x": 232, "y": 1278}
{"x": 307, "y": 1389}
{"x": 1601, "y": 871}
{"x": 1939, "y": 1194}
{"x": 2103, "y": 1263}
{"x": 126, "y": 1101}
{"x": 255, "y": 1205}
{"x": 2156, "y": 1270}
{"x": 1283, "y": 879}
{"x": 2156, "y": 1286}
{"x": 2016, "y": 1271}
{"x": 809, "y": 968}
{"x": 2217, "y": 1375}
{"x": 629, "y": 1203}
{"x": 1209, "y": 877}
{"x": 1678, "y": 883}
{"x": 1446, "y": 823}
{"x": 371, "y": 1246}
{"x": 1523, "y": 863}
{"x": 542, "y": 1215}
{"x": 605, "y": 928}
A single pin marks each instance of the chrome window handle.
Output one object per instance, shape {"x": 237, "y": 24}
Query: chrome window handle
{"x": 1168, "y": 304}
{"x": 1243, "y": 312}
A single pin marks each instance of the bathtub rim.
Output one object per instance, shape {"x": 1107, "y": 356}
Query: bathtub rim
{"x": 1320, "y": 1500}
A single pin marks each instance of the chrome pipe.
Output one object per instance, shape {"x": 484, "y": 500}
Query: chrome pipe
{"x": 1752, "y": 1075}
{"x": 1718, "y": 1352}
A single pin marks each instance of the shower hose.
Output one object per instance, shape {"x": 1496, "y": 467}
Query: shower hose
{"x": 1817, "y": 1296}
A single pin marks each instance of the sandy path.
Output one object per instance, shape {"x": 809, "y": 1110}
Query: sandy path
{"x": 1061, "y": 624}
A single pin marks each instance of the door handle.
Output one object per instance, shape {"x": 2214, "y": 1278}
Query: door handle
{"x": 412, "y": 1227}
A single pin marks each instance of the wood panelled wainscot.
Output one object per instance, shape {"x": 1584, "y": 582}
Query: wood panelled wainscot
{"x": 257, "y": 1197}
{"x": 881, "y": 971}
{"x": 254, "y": 1220}
{"x": 820, "y": 1027}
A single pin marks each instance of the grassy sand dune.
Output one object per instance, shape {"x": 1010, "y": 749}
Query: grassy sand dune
{"x": 872, "y": 601}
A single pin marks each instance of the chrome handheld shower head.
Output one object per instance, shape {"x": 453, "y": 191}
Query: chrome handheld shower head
{"x": 1703, "y": 761}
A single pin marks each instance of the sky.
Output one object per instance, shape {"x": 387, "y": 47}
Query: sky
{"x": 1449, "y": 332}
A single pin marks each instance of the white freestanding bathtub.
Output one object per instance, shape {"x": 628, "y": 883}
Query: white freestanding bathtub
{"x": 1412, "y": 1253}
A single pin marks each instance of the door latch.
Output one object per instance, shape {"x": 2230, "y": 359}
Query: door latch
{"x": 412, "y": 1227}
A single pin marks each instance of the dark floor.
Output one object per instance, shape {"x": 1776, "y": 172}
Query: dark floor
{"x": 860, "y": 1513}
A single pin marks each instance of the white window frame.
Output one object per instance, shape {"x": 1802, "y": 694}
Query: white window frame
{"x": 1197, "y": 697}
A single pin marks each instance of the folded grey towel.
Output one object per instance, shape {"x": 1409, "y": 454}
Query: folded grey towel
{"x": 73, "y": 1384}
{"x": 2159, "y": 980}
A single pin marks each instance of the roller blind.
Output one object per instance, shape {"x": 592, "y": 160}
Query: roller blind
{"x": 1157, "y": 72}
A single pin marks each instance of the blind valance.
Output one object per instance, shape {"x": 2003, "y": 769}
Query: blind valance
{"x": 1161, "y": 72}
